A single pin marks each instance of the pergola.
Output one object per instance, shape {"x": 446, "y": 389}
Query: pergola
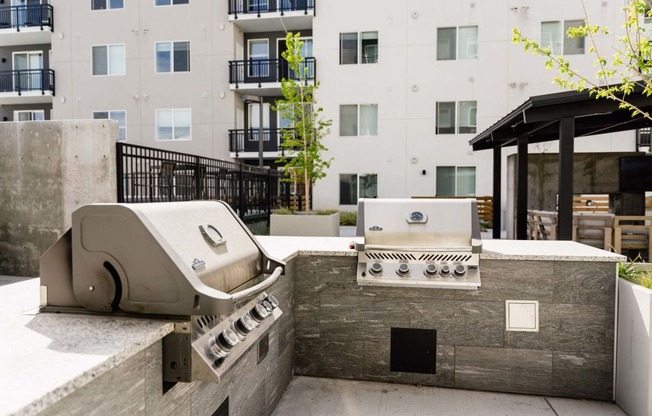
{"x": 561, "y": 116}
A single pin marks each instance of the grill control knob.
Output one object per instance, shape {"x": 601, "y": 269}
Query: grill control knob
{"x": 227, "y": 339}
{"x": 445, "y": 270}
{"x": 259, "y": 312}
{"x": 403, "y": 270}
{"x": 272, "y": 301}
{"x": 376, "y": 269}
{"x": 431, "y": 270}
{"x": 459, "y": 271}
{"x": 267, "y": 305}
{"x": 244, "y": 325}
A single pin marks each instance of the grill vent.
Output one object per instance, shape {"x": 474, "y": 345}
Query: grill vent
{"x": 445, "y": 257}
{"x": 390, "y": 256}
{"x": 206, "y": 321}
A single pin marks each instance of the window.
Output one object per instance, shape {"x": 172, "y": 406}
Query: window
{"x": 359, "y": 120}
{"x": 364, "y": 45}
{"x": 170, "y": 2}
{"x": 254, "y": 121}
{"x": 29, "y": 115}
{"x": 172, "y": 57}
{"x": 173, "y": 124}
{"x": 457, "y": 43}
{"x": 448, "y": 123}
{"x": 120, "y": 116}
{"x": 109, "y": 60}
{"x": 258, "y": 57}
{"x": 553, "y": 35}
{"x": 257, "y": 5}
{"x": 107, "y": 4}
{"x": 455, "y": 181}
{"x": 354, "y": 186}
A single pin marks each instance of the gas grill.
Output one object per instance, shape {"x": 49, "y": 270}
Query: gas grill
{"x": 194, "y": 263}
{"x": 428, "y": 243}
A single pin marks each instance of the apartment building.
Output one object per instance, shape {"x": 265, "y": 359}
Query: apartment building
{"x": 406, "y": 83}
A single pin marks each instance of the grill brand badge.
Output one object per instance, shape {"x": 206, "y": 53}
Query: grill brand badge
{"x": 198, "y": 264}
{"x": 375, "y": 228}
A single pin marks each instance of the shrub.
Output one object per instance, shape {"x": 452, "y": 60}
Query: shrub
{"x": 635, "y": 275}
{"x": 348, "y": 218}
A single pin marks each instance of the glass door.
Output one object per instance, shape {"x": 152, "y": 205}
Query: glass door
{"x": 28, "y": 70}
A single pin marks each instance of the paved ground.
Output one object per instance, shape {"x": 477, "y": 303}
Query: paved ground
{"x": 311, "y": 396}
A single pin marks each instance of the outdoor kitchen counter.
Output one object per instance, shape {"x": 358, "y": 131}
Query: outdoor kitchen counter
{"x": 45, "y": 357}
{"x": 289, "y": 247}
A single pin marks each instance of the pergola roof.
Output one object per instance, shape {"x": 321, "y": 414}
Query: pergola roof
{"x": 538, "y": 117}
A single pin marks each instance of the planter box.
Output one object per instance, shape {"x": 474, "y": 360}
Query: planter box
{"x": 634, "y": 353}
{"x": 305, "y": 225}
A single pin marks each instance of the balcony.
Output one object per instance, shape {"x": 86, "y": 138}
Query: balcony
{"x": 243, "y": 143}
{"x": 271, "y": 15}
{"x": 263, "y": 76}
{"x": 30, "y": 86}
{"x": 26, "y": 25}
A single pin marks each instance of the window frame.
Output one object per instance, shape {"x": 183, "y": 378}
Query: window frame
{"x": 563, "y": 37}
{"x": 458, "y": 45}
{"x": 122, "y": 130}
{"x": 455, "y": 118}
{"x": 358, "y": 124}
{"x": 174, "y": 127}
{"x": 172, "y": 53}
{"x": 108, "y": 6}
{"x": 31, "y": 112}
{"x": 359, "y": 50}
{"x": 456, "y": 177}
{"x": 171, "y": 3}
{"x": 262, "y": 71}
{"x": 358, "y": 181}
{"x": 108, "y": 61}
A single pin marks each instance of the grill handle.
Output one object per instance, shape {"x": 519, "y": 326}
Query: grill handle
{"x": 259, "y": 287}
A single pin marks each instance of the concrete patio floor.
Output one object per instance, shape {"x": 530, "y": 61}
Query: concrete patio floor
{"x": 311, "y": 396}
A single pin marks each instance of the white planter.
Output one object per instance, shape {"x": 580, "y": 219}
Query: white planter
{"x": 634, "y": 351}
{"x": 305, "y": 225}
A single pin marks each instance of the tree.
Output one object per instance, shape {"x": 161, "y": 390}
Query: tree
{"x": 303, "y": 145}
{"x": 628, "y": 68}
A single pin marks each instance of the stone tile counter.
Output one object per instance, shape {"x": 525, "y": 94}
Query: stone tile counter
{"x": 343, "y": 330}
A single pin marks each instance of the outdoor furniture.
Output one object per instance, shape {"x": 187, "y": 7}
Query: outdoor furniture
{"x": 542, "y": 225}
{"x": 593, "y": 229}
{"x": 632, "y": 232}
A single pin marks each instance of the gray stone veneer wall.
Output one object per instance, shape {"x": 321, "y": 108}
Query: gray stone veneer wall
{"x": 343, "y": 330}
{"x": 135, "y": 386}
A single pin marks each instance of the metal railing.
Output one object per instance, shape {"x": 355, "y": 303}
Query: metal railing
{"x": 257, "y": 7}
{"x": 147, "y": 174}
{"x": 246, "y": 140}
{"x": 18, "y": 17}
{"x": 257, "y": 71}
{"x": 27, "y": 80}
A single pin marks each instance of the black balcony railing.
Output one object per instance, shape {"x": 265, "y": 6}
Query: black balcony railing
{"x": 643, "y": 137}
{"x": 259, "y": 7}
{"x": 27, "y": 80}
{"x": 19, "y": 17}
{"x": 146, "y": 174}
{"x": 258, "y": 71}
{"x": 246, "y": 140}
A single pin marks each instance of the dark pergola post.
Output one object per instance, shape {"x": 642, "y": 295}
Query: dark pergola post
{"x": 521, "y": 188}
{"x": 565, "y": 190}
{"x": 497, "y": 196}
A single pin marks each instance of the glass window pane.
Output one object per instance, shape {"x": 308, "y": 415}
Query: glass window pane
{"x": 465, "y": 181}
{"x": 100, "y": 115}
{"x": 38, "y": 115}
{"x": 348, "y": 120}
{"x": 445, "y": 184}
{"x": 164, "y": 120}
{"x": 163, "y": 57}
{"x": 348, "y": 189}
{"x": 100, "y": 64}
{"x": 573, "y": 46}
{"x": 116, "y": 59}
{"x": 306, "y": 48}
{"x": 98, "y": 5}
{"x": 162, "y": 2}
{"x": 181, "y": 56}
{"x": 468, "y": 43}
{"x": 369, "y": 46}
{"x": 182, "y": 125}
{"x": 369, "y": 120}
{"x": 466, "y": 116}
{"x": 348, "y": 48}
{"x": 551, "y": 36}
{"x": 179, "y": 1}
{"x": 116, "y": 4}
{"x": 446, "y": 43}
{"x": 369, "y": 186}
{"x": 445, "y": 118}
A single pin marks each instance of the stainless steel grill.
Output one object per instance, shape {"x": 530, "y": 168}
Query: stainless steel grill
{"x": 193, "y": 262}
{"x": 432, "y": 243}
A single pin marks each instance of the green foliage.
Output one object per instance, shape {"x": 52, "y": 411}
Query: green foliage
{"x": 630, "y": 272}
{"x": 629, "y": 66}
{"x": 325, "y": 212}
{"x": 348, "y": 218}
{"x": 303, "y": 144}
{"x": 283, "y": 211}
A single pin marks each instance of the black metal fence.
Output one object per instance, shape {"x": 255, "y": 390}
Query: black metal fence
{"x": 18, "y": 17}
{"x": 147, "y": 174}
{"x": 27, "y": 80}
{"x": 257, "y": 7}
{"x": 268, "y": 70}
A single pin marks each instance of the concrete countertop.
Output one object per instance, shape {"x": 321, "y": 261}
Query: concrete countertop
{"x": 46, "y": 356}
{"x": 285, "y": 248}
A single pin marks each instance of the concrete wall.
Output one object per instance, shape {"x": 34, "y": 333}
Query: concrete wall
{"x": 47, "y": 170}
{"x": 343, "y": 330}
